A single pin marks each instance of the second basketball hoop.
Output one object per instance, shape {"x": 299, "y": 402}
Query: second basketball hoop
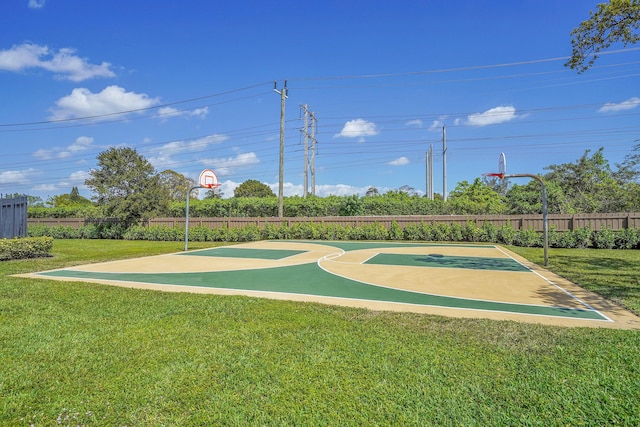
{"x": 502, "y": 168}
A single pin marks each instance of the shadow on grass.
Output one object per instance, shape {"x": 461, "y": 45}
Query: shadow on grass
{"x": 615, "y": 279}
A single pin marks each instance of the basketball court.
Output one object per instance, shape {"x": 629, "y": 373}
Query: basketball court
{"x": 471, "y": 281}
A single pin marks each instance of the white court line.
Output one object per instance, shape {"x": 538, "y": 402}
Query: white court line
{"x": 335, "y": 255}
{"x": 556, "y": 285}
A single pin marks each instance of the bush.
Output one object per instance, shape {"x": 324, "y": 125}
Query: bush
{"x": 437, "y": 232}
{"x": 628, "y": 238}
{"x": 395, "y": 232}
{"x": 25, "y": 247}
{"x": 506, "y": 234}
{"x": 137, "y": 232}
{"x": 441, "y": 232}
{"x": 528, "y": 238}
{"x": 471, "y": 232}
{"x": 582, "y": 237}
{"x": 604, "y": 239}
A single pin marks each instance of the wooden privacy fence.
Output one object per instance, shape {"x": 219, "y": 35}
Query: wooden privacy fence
{"x": 561, "y": 222}
{"x": 13, "y": 217}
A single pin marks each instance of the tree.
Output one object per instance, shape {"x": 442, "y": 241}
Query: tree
{"x": 253, "y": 188}
{"x": 407, "y": 189}
{"x": 372, "y": 191}
{"x": 588, "y": 183}
{"x": 586, "y": 186}
{"x": 32, "y": 201}
{"x": 500, "y": 186}
{"x": 629, "y": 170}
{"x": 527, "y": 199}
{"x": 612, "y": 22}
{"x": 72, "y": 199}
{"x": 213, "y": 193}
{"x": 475, "y": 199}
{"x": 175, "y": 185}
{"x": 126, "y": 186}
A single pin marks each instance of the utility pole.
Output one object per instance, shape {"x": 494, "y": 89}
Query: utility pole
{"x": 429, "y": 169}
{"x": 305, "y": 110}
{"x": 444, "y": 163}
{"x": 313, "y": 154}
{"x": 283, "y": 96}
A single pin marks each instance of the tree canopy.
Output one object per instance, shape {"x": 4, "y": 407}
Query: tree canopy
{"x": 588, "y": 185}
{"x": 126, "y": 186}
{"x": 72, "y": 199}
{"x": 614, "y": 22}
{"x": 175, "y": 185}
{"x": 253, "y": 188}
{"x": 476, "y": 198}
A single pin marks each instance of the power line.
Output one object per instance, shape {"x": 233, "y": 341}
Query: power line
{"x": 137, "y": 110}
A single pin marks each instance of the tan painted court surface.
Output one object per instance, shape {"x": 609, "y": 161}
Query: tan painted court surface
{"x": 471, "y": 281}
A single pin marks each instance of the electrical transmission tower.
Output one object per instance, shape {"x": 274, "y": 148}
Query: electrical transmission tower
{"x": 313, "y": 153}
{"x": 309, "y": 116}
{"x": 305, "y": 132}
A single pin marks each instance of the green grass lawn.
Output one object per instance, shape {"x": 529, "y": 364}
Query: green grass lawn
{"x": 87, "y": 354}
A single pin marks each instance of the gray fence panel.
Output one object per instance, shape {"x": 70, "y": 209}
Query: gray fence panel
{"x": 13, "y": 217}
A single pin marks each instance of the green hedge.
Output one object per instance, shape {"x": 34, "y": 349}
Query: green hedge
{"x": 437, "y": 232}
{"x": 312, "y": 206}
{"x": 25, "y": 247}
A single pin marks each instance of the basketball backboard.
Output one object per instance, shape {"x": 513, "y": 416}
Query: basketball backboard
{"x": 208, "y": 179}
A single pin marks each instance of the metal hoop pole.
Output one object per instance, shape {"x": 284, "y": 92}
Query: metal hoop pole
{"x": 545, "y": 219}
{"x": 186, "y": 223}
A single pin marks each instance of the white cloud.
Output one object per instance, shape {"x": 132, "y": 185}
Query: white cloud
{"x": 229, "y": 165}
{"x": 492, "y": 116}
{"x": 64, "y": 63}
{"x": 358, "y": 128}
{"x": 324, "y": 190}
{"x": 199, "y": 144}
{"x": 36, "y": 4}
{"x": 629, "y": 104}
{"x": 75, "y": 179}
{"x": 290, "y": 189}
{"x": 438, "y": 124}
{"x": 416, "y": 123}
{"x": 401, "y": 161}
{"x": 165, "y": 113}
{"x": 81, "y": 143}
{"x": 17, "y": 177}
{"x": 112, "y": 100}
{"x": 161, "y": 157}
{"x": 226, "y": 188}
{"x": 339, "y": 190}
{"x": 79, "y": 176}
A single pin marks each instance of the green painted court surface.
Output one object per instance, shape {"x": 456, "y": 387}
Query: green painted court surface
{"x": 312, "y": 279}
{"x": 437, "y": 260}
{"x": 272, "y": 254}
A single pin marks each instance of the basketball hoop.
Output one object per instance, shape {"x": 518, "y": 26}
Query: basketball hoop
{"x": 494, "y": 175}
{"x": 502, "y": 168}
{"x": 208, "y": 179}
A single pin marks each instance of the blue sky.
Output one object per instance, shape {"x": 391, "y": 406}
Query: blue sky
{"x": 190, "y": 86}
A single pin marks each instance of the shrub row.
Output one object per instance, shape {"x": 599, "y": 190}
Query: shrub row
{"x": 25, "y": 247}
{"x": 295, "y": 206}
{"x": 312, "y": 206}
{"x": 438, "y": 232}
